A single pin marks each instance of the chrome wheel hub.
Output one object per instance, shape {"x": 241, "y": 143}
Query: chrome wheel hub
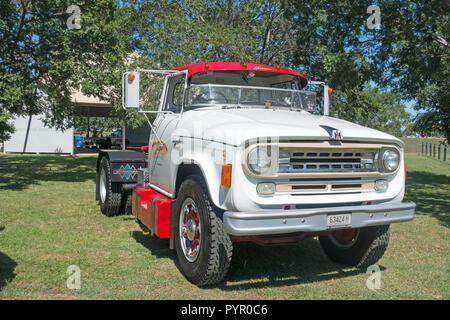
{"x": 190, "y": 238}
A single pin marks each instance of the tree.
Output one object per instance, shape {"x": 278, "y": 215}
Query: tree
{"x": 414, "y": 49}
{"x": 179, "y": 32}
{"x": 371, "y": 107}
{"x": 42, "y": 60}
{"x": 328, "y": 40}
{"x": 44, "y": 57}
{"x": 408, "y": 53}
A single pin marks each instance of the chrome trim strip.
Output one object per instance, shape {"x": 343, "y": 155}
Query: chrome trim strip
{"x": 162, "y": 191}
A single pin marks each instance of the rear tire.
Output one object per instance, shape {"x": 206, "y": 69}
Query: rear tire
{"x": 110, "y": 196}
{"x": 362, "y": 249}
{"x": 206, "y": 261}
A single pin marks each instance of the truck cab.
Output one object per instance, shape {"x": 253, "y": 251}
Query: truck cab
{"x": 236, "y": 153}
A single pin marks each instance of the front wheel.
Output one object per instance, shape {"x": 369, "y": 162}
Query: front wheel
{"x": 356, "y": 247}
{"x": 203, "y": 248}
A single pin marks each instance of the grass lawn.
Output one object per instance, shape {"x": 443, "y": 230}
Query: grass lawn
{"x": 50, "y": 220}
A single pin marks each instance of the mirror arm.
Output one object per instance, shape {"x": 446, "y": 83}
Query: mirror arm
{"x": 151, "y": 126}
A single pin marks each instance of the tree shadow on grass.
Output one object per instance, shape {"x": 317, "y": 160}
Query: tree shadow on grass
{"x": 254, "y": 266}
{"x": 430, "y": 192}
{"x": 17, "y": 172}
{"x": 7, "y": 266}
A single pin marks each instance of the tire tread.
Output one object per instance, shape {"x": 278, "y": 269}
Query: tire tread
{"x": 368, "y": 249}
{"x": 221, "y": 246}
{"x": 113, "y": 201}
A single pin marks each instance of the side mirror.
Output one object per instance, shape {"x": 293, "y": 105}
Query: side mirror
{"x": 130, "y": 90}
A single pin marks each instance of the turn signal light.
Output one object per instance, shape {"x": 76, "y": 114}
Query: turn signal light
{"x": 330, "y": 90}
{"x": 226, "y": 175}
{"x": 131, "y": 76}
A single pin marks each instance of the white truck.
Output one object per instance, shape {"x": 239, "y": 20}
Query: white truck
{"x": 236, "y": 153}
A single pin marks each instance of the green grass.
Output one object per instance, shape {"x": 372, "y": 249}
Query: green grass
{"x": 50, "y": 220}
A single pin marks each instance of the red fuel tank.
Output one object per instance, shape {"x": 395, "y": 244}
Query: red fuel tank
{"x": 152, "y": 209}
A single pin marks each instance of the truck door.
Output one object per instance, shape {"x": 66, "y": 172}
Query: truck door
{"x": 161, "y": 166}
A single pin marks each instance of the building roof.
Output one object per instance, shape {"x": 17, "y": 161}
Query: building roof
{"x": 90, "y": 105}
{"x": 82, "y": 99}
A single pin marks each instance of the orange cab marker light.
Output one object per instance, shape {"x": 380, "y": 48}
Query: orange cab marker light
{"x": 330, "y": 90}
{"x": 131, "y": 77}
{"x": 405, "y": 171}
{"x": 226, "y": 175}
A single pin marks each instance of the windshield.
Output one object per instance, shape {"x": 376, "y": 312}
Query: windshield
{"x": 206, "y": 95}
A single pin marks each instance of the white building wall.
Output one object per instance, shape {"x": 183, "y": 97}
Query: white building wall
{"x": 41, "y": 139}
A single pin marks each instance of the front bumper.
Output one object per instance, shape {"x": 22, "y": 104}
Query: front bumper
{"x": 307, "y": 220}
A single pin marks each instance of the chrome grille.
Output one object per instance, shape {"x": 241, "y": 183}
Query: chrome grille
{"x": 327, "y": 160}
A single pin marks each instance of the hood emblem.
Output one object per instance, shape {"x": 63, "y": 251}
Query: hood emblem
{"x": 335, "y": 134}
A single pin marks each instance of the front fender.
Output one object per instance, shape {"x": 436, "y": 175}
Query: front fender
{"x": 209, "y": 156}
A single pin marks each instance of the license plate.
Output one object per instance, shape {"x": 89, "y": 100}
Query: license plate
{"x": 338, "y": 220}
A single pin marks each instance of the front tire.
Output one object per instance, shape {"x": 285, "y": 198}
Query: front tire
{"x": 356, "y": 247}
{"x": 110, "y": 197}
{"x": 203, "y": 248}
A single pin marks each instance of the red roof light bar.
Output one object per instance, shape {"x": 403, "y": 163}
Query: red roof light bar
{"x": 235, "y": 66}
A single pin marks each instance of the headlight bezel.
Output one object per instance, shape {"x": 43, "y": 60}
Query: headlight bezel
{"x": 263, "y": 160}
{"x": 268, "y": 170}
{"x": 385, "y": 156}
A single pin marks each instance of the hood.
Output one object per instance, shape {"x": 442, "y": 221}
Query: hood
{"x": 235, "y": 126}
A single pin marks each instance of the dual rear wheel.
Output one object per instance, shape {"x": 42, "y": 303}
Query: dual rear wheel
{"x": 111, "y": 199}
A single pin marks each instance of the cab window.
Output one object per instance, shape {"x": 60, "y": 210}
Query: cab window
{"x": 177, "y": 98}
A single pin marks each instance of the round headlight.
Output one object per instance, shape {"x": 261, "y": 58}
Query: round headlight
{"x": 391, "y": 160}
{"x": 258, "y": 160}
